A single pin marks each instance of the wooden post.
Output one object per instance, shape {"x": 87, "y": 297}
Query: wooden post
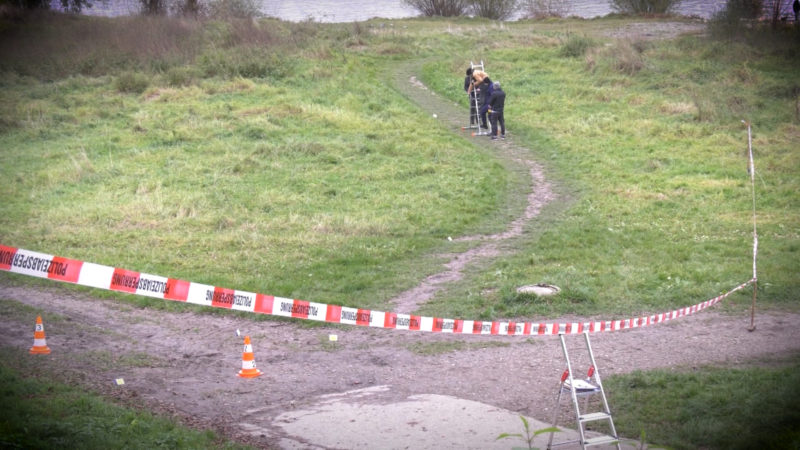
{"x": 753, "y": 308}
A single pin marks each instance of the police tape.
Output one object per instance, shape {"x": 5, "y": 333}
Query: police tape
{"x": 26, "y": 262}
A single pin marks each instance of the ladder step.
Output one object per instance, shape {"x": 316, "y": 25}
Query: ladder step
{"x": 591, "y": 417}
{"x": 601, "y": 440}
{"x": 559, "y": 444}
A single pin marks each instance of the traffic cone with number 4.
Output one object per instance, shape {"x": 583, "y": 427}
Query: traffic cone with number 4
{"x": 248, "y": 361}
{"x": 39, "y": 342}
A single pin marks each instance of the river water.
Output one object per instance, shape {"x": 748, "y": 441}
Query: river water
{"x": 359, "y": 10}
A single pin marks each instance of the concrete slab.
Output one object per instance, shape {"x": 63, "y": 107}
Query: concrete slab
{"x": 365, "y": 419}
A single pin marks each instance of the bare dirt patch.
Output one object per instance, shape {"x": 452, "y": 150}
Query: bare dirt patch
{"x": 185, "y": 364}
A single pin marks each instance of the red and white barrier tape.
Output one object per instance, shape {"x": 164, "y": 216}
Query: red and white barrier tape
{"x": 57, "y": 268}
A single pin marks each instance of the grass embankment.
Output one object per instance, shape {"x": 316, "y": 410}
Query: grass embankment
{"x": 274, "y": 162}
{"x": 273, "y": 158}
{"x": 648, "y": 136}
{"x": 712, "y": 407}
{"x": 41, "y": 414}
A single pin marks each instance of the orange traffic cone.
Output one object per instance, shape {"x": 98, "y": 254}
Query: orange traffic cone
{"x": 248, "y": 361}
{"x": 39, "y": 342}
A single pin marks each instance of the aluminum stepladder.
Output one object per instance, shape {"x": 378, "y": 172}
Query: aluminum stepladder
{"x": 476, "y": 118}
{"x": 584, "y": 388}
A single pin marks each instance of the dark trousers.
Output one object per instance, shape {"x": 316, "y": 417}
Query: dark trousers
{"x": 497, "y": 117}
{"x": 473, "y": 111}
{"x": 484, "y": 122}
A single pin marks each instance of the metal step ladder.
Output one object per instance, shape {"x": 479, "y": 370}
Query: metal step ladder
{"x": 475, "y": 118}
{"x": 587, "y": 388}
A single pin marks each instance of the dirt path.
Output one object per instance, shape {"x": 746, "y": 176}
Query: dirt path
{"x": 185, "y": 363}
{"x": 515, "y": 157}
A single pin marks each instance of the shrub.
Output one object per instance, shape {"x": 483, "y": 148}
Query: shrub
{"x": 643, "y": 6}
{"x": 539, "y": 9}
{"x": 239, "y": 9}
{"x": 445, "y": 8}
{"x": 576, "y": 46}
{"x": 180, "y": 76}
{"x": 246, "y": 63}
{"x": 730, "y": 20}
{"x": 627, "y": 58}
{"x": 494, "y": 9}
{"x": 189, "y": 8}
{"x": 745, "y": 9}
{"x": 131, "y": 82}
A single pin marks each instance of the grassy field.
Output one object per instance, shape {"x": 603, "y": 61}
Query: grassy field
{"x": 277, "y": 158}
{"x": 648, "y": 136}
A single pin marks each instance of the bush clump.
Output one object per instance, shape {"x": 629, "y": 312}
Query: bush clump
{"x": 627, "y": 57}
{"x": 730, "y": 20}
{"x": 181, "y": 76}
{"x": 643, "y": 6}
{"x": 246, "y": 63}
{"x": 490, "y": 9}
{"x": 444, "y": 8}
{"x": 131, "y": 82}
{"x": 494, "y": 9}
{"x": 576, "y": 46}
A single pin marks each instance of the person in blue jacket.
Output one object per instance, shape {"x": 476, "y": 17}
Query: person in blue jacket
{"x": 495, "y": 108}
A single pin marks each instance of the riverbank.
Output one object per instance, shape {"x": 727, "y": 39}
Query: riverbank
{"x": 334, "y": 11}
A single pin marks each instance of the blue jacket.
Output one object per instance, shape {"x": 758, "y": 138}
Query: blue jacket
{"x": 487, "y": 87}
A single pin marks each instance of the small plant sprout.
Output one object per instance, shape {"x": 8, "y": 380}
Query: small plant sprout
{"x": 529, "y": 435}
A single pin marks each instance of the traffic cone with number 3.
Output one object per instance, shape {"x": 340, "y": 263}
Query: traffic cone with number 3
{"x": 39, "y": 342}
{"x": 248, "y": 361}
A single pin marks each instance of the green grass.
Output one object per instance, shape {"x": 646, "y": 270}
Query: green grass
{"x": 278, "y": 158}
{"x": 39, "y": 413}
{"x": 655, "y": 159}
{"x": 305, "y": 188}
{"x": 732, "y": 408}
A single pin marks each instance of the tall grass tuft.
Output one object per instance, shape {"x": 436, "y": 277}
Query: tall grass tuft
{"x": 248, "y": 62}
{"x": 627, "y": 57}
{"x": 576, "y": 46}
{"x": 131, "y": 82}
